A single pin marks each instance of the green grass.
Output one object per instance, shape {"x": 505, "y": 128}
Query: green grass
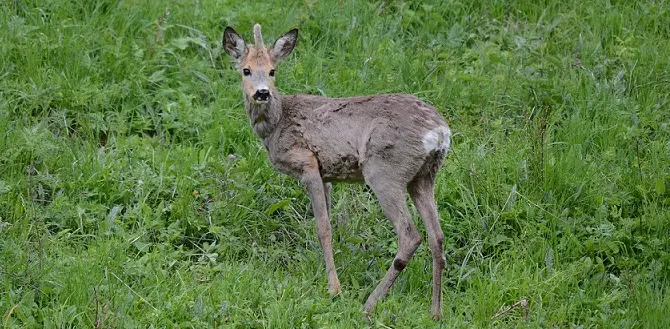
{"x": 113, "y": 113}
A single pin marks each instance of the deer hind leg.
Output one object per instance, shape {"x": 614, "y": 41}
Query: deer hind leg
{"x": 392, "y": 200}
{"x": 319, "y": 196}
{"x": 422, "y": 192}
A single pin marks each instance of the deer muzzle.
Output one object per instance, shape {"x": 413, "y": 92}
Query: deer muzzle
{"x": 261, "y": 95}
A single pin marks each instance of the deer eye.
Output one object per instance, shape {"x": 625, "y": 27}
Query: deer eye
{"x": 272, "y": 73}
{"x": 246, "y": 72}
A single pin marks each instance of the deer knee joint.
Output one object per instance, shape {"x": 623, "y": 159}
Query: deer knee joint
{"x": 399, "y": 264}
{"x": 439, "y": 236}
{"x": 440, "y": 260}
{"x": 411, "y": 237}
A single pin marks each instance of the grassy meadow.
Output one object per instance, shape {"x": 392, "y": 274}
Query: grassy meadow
{"x": 133, "y": 193}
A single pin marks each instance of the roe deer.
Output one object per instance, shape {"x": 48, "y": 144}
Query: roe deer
{"x": 395, "y": 143}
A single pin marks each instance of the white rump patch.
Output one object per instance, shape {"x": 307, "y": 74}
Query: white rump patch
{"x": 438, "y": 139}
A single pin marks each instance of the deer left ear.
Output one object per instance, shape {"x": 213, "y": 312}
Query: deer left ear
{"x": 284, "y": 45}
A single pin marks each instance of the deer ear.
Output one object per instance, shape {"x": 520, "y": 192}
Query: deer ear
{"x": 284, "y": 45}
{"x": 233, "y": 43}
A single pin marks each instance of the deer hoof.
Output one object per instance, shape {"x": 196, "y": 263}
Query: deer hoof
{"x": 437, "y": 315}
{"x": 334, "y": 289}
{"x": 367, "y": 317}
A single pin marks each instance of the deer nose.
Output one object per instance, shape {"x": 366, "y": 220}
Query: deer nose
{"x": 262, "y": 95}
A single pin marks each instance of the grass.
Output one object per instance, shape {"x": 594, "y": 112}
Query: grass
{"x": 134, "y": 194}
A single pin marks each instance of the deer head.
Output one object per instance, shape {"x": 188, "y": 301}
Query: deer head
{"x": 256, "y": 63}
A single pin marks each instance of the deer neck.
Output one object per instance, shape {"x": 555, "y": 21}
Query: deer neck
{"x": 264, "y": 117}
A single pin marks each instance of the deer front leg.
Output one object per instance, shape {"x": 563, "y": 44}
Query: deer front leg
{"x": 327, "y": 188}
{"x": 320, "y": 203}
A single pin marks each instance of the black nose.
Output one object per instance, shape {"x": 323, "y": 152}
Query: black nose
{"x": 262, "y": 95}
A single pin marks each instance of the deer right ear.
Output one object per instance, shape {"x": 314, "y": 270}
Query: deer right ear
{"x": 233, "y": 43}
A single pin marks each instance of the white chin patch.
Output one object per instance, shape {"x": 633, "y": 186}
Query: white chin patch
{"x": 438, "y": 139}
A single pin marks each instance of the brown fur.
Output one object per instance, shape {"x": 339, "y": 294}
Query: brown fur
{"x": 395, "y": 143}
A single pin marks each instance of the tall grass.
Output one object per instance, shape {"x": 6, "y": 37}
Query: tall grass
{"x": 134, "y": 194}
